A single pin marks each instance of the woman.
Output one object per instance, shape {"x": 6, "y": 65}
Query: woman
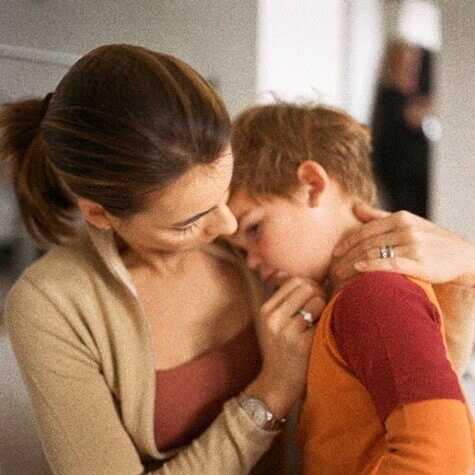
{"x": 134, "y": 335}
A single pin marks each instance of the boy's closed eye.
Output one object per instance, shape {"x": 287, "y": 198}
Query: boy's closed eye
{"x": 252, "y": 230}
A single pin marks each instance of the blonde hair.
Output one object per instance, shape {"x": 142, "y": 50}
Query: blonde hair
{"x": 270, "y": 142}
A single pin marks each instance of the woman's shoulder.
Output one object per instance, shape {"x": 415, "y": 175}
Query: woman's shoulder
{"x": 66, "y": 272}
{"x": 69, "y": 286}
{"x": 63, "y": 263}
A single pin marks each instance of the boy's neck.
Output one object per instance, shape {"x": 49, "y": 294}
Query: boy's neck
{"x": 348, "y": 223}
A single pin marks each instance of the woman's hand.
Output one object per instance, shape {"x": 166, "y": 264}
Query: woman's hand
{"x": 286, "y": 340}
{"x": 422, "y": 249}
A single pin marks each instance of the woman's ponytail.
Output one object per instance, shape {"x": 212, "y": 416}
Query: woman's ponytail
{"x": 46, "y": 204}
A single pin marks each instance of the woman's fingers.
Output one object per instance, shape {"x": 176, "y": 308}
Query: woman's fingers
{"x": 315, "y": 307}
{"x": 370, "y": 248}
{"x": 422, "y": 249}
{"x": 366, "y": 213}
{"x": 402, "y": 265}
{"x": 283, "y": 308}
{"x": 281, "y": 294}
{"x": 391, "y": 223}
{"x": 439, "y": 258}
{"x": 278, "y": 317}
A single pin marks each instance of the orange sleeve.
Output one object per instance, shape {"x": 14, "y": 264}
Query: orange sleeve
{"x": 428, "y": 437}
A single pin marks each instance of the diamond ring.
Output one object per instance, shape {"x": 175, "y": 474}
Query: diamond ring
{"x": 386, "y": 252}
{"x": 307, "y": 316}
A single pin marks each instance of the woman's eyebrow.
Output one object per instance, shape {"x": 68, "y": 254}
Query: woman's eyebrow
{"x": 194, "y": 218}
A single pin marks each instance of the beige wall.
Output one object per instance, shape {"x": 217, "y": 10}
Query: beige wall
{"x": 454, "y": 161}
{"x": 217, "y": 37}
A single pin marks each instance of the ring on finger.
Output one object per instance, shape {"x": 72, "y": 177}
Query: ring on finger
{"x": 386, "y": 252}
{"x": 307, "y": 316}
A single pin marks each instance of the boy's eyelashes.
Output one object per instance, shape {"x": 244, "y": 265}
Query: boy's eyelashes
{"x": 252, "y": 229}
{"x": 242, "y": 251}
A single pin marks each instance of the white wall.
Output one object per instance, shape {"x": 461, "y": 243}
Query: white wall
{"x": 216, "y": 37}
{"x": 365, "y": 40}
{"x": 301, "y": 50}
{"x": 454, "y": 161}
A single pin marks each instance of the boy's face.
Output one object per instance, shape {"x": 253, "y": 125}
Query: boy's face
{"x": 284, "y": 237}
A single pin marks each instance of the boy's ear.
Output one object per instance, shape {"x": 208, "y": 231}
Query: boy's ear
{"x": 312, "y": 174}
{"x": 94, "y": 213}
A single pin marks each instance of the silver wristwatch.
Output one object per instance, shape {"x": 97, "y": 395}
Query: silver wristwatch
{"x": 259, "y": 413}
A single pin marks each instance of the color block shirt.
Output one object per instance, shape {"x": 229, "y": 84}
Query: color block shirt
{"x": 382, "y": 396}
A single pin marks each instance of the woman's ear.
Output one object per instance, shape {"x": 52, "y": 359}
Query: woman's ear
{"x": 94, "y": 213}
{"x": 312, "y": 174}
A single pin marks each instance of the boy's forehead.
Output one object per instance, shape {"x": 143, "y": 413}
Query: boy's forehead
{"x": 241, "y": 202}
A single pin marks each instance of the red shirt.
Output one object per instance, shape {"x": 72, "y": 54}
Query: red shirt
{"x": 382, "y": 396}
{"x": 189, "y": 397}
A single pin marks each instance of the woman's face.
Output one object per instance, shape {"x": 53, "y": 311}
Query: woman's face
{"x": 188, "y": 214}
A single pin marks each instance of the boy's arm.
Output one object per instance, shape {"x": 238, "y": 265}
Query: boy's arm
{"x": 416, "y": 443}
{"x": 389, "y": 333}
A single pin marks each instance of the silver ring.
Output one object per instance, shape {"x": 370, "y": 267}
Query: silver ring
{"x": 307, "y": 316}
{"x": 386, "y": 252}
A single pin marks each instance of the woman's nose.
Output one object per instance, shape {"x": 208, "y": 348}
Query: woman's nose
{"x": 225, "y": 224}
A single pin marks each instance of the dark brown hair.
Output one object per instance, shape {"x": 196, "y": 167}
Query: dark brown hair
{"x": 270, "y": 142}
{"x": 122, "y": 122}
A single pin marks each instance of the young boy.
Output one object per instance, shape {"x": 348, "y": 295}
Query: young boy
{"x": 382, "y": 396}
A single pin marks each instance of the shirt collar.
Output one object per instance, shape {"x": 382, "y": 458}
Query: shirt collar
{"x": 106, "y": 246}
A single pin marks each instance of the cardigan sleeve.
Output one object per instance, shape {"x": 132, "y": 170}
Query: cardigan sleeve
{"x": 457, "y": 302}
{"x": 78, "y": 416}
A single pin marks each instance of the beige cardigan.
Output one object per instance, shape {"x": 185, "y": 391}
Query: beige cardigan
{"x": 84, "y": 350}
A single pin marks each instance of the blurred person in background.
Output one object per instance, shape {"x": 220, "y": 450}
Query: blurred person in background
{"x": 401, "y": 149}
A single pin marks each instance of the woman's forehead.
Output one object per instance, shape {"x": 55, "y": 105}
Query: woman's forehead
{"x": 198, "y": 190}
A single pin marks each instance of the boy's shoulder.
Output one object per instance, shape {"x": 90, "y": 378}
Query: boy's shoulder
{"x": 380, "y": 286}
{"x": 385, "y": 296}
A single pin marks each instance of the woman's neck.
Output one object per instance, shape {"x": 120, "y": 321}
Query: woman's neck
{"x": 159, "y": 262}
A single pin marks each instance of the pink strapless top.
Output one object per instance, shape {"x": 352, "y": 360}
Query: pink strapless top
{"x": 190, "y": 396}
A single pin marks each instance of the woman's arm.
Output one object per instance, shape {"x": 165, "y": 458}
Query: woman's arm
{"x": 425, "y": 251}
{"x": 78, "y": 416}
{"x": 457, "y": 302}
